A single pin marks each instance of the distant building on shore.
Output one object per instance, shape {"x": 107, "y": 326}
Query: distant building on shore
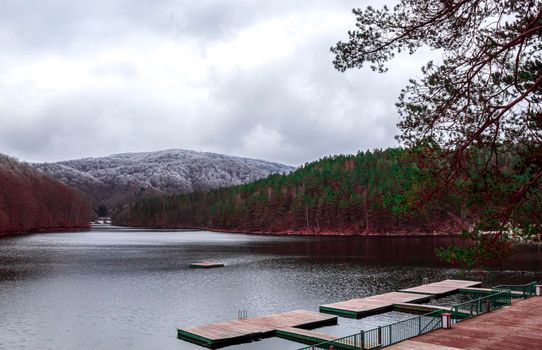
{"x": 102, "y": 220}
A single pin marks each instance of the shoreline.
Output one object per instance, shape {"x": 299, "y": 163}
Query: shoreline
{"x": 310, "y": 233}
{"x": 45, "y": 230}
{"x": 307, "y": 233}
{"x": 339, "y": 234}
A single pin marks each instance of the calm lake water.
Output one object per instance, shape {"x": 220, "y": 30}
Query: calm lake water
{"x": 114, "y": 288}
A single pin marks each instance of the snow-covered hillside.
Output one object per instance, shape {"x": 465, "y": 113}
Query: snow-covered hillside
{"x": 118, "y": 178}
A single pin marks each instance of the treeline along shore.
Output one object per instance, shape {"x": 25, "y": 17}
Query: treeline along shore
{"x": 33, "y": 202}
{"x": 389, "y": 192}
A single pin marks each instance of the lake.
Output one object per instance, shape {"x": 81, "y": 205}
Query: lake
{"x": 118, "y": 288}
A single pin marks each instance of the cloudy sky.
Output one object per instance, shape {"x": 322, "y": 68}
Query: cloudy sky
{"x": 241, "y": 77}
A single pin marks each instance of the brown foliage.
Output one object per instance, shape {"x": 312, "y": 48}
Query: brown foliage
{"x": 31, "y": 201}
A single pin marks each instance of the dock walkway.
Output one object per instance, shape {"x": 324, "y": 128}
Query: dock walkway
{"x": 311, "y": 338}
{"x": 243, "y": 330}
{"x": 304, "y": 336}
{"x": 442, "y": 288}
{"x": 419, "y": 308}
{"x": 487, "y": 291}
{"x": 357, "y": 308}
{"x": 425, "y": 308}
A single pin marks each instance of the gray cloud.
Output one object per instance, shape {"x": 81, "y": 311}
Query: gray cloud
{"x": 242, "y": 77}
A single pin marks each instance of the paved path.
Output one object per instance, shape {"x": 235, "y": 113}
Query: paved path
{"x": 518, "y": 326}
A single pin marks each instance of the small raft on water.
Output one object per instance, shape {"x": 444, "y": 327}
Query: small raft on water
{"x": 206, "y": 265}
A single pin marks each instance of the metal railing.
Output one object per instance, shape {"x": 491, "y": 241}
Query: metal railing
{"x": 351, "y": 342}
{"x": 385, "y": 335}
{"x": 523, "y": 291}
{"x": 409, "y": 328}
{"x": 242, "y": 314}
{"x": 480, "y": 306}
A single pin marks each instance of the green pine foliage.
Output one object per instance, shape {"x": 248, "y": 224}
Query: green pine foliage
{"x": 377, "y": 191}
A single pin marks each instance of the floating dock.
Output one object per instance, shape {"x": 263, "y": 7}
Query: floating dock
{"x": 295, "y": 325}
{"x": 425, "y": 308}
{"x": 306, "y": 337}
{"x": 487, "y": 291}
{"x": 442, "y": 288}
{"x": 206, "y": 265}
{"x": 419, "y": 308}
{"x": 244, "y": 330}
{"x": 357, "y": 308}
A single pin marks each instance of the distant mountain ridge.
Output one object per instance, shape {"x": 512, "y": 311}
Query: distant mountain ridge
{"x": 118, "y": 178}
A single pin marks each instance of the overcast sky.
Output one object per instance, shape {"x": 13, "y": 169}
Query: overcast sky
{"x": 249, "y": 78}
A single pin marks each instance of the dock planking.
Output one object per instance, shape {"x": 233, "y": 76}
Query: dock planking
{"x": 244, "y": 330}
{"x": 303, "y": 335}
{"x": 442, "y": 288}
{"x": 311, "y": 338}
{"x": 426, "y": 308}
{"x": 487, "y": 291}
{"x": 206, "y": 265}
{"x": 419, "y": 308}
{"x": 357, "y": 308}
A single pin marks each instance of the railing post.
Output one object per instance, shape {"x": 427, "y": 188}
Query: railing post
{"x": 379, "y": 335}
{"x": 488, "y": 305}
{"x": 419, "y": 324}
{"x": 356, "y": 339}
{"x": 362, "y": 339}
{"x": 446, "y": 320}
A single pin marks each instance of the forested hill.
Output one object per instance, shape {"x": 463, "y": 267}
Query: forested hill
{"x": 31, "y": 201}
{"x": 370, "y": 192}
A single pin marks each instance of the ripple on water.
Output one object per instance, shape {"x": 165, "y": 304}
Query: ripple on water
{"x": 120, "y": 289}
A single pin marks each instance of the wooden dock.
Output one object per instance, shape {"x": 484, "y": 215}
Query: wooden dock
{"x": 294, "y": 325}
{"x": 206, "y": 265}
{"x": 514, "y": 327}
{"x": 311, "y": 338}
{"x": 426, "y": 308}
{"x": 303, "y": 335}
{"x": 487, "y": 291}
{"x": 419, "y": 308}
{"x": 442, "y": 288}
{"x": 244, "y": 330}
{"x": 357, "y": 308}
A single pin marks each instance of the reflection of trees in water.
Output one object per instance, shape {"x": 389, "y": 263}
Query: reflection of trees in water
{"x": 371, "y": 250}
